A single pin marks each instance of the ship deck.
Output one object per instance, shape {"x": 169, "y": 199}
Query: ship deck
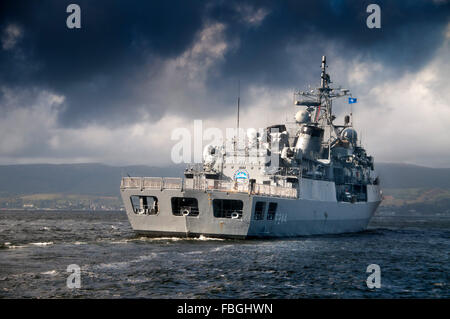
{"x": 170, "y": 183}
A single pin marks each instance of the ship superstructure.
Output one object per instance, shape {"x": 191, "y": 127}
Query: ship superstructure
{"x": 308, "y": 176}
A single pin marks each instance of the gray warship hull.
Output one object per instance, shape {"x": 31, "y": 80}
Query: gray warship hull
{"x": 312, "y": 213}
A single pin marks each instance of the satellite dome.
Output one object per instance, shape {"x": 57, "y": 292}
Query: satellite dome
{"x": 303, "y": 117}
{"x": 350, "y": 135}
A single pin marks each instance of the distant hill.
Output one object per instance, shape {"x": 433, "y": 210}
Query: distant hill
{"x": 393, "y": 175}
{"x": 104, "y": 180}
{"x": 88, "y": 179}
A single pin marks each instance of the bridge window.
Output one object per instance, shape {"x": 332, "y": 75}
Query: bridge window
{"x": 228, "y": 208}
{"x": 184, "y": 206}
{"x": 260, "y": 208}
{"x": 144, "y": 205}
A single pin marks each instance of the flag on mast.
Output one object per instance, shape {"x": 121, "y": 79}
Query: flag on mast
{"x": 352, "y": 100}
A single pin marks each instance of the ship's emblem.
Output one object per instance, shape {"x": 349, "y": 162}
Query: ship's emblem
{"x": 241, "y": 175}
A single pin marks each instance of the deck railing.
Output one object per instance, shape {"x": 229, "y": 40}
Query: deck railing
{"x": 204, "y": 185}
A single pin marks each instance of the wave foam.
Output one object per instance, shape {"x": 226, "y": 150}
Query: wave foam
{"x": 48, "y": 243}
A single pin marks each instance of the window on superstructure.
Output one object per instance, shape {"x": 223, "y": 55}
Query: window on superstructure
{"x": 272, "y": 211}
{"x": 144, "y": 205}
{"x": 260, "y": 208}
{"x": 184, "y": 206}
{"x": 227, "y": 208}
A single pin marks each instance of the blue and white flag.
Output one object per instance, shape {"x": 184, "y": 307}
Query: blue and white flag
{"x": 352, "y": 100}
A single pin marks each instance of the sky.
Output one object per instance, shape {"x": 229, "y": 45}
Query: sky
{"x": 114, "y": 90}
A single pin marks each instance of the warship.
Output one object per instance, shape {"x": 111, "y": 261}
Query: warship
{"x": 308, "y": 176}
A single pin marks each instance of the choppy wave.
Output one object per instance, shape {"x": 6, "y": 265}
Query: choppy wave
{"x": 162, "y": 239}
{"x": 123, "y": 264}
{"x": 8, "y": 245}
{"x": 200, "y": 238}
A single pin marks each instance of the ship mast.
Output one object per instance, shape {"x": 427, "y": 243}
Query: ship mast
{"x": 238, "y": 106}
{"x": 238, "y": 103}
{"x": 324, "y": 92}
{"x": 324, "y": 76}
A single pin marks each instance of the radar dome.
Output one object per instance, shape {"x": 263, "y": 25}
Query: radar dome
{"x": 252, "y": 136}
{"x": 251, "y": 133}
{"x": 350, "y": 135}
{"x": 302, "y": 116}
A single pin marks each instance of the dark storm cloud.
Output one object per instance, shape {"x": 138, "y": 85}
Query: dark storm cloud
{"x": 114, "y": 35}
{"x": 93, "y": 66}
{"x": 99, "y": 67}
{"x": 410, "y": 33}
